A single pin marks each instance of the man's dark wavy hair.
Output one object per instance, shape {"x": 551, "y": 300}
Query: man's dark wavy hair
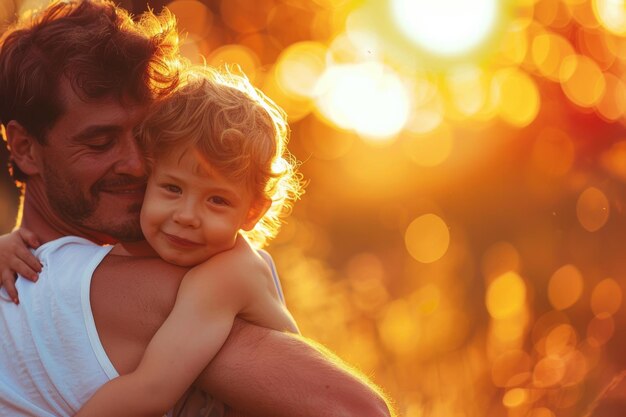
{"x": 98, "y": 47}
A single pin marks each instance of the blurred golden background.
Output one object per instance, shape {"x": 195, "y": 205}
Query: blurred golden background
{"x": 460, "y": 241}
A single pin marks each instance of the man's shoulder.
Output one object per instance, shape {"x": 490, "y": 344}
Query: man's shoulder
{"x": 130, "y": 298}
{"x": 144, "y": 280}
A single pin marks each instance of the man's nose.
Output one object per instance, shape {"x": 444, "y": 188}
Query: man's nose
{"x": 131, "y": 159}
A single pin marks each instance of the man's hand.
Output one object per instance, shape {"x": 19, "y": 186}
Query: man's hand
{"x": 16, "y": 258}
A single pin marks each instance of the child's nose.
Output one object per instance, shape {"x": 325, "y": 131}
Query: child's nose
{"x": 186, "y": 216}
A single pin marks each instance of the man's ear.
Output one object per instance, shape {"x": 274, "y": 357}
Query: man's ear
{"x": 24, "y": 148}
{"x": 258, "y": 210}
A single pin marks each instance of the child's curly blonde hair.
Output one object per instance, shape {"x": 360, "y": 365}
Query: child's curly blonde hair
{"x": 237, "y": 130}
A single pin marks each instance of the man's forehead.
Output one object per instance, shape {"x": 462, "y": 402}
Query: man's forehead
{"x": 110, "y": 109}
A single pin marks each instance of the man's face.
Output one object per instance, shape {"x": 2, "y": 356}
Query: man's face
{"x": 92, "y": 168}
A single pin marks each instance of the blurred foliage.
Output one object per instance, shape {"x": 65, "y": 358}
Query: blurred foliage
{"x": 461, "y": 237}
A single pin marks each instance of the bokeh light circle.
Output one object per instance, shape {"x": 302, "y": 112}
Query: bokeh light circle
{"x": 517, "y": 95}
{"x": 565, "y": 287}
{"x": 582, "y": 80}
{"x": 427, "y": 238}
{"x": 611, "y": 14}
{"x": 506, "y": 296}
{"x": 606, "y": 297}
{"x": 300, "y": 66}
{"x": 592, "y": 209}
{"x": 446, "y": 27}
{"x": 368, "y": 98}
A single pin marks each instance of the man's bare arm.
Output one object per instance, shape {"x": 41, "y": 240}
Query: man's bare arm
{"x": 265, "y": 373}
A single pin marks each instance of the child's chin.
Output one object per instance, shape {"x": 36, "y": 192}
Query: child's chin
{"x": 187, "y": 262}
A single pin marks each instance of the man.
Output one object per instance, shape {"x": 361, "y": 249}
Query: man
{"x": 74, "y": 83}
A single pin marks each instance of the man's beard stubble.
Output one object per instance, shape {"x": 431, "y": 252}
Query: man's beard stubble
{"x": 78, "y": 209}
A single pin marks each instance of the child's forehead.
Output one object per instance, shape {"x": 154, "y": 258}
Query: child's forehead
{"x": 194, "y": 163}
{"x": 188, "y": 158}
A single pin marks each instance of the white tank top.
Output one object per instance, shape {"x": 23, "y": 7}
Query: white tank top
{"x": 51, "y": 359}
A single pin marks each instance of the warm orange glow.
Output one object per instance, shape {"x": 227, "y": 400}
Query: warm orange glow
{"x": 368, "y": 98}
{"x": 548, "y": 372}
{"x": 501, "y": 257}
{"x": 541, "y": 412}
{"x": 514, "y": 42}
{"x": 462, "y": 236}
{"x": 427, "y": 238}
{"x": 511, "y": 368}
{"x": 243, "y": 16}
{"x": 430, "y": 149}
{"x": 323, "y": 141}
{"x": 299, "y": 68}
{"x": 509, "y": 332}
{"x": 600, "y": 329}
{"x": 548, "y": 52}
{"x": 399, "y": 329}
{"x": 469, "y": 89}
{"x": 194, "y": 18}
{"x": 235, "y": 54}
{"x": 602, "y": 49}
{"x": 606, "y": 297}
{"x": 553, "y": 152}
{"x": 565, "y": 287}
{"x": 506, "y": 295}
{"x": 612, "y": 106}
{"x": 582, "y": 80}
{"x": 515, "y": 397}
{"x": 614, "y": 160}
{"x": 592, "y": 209}
{"x": 611, "y": 14}
{"x": 448, "y": 27}
{"x": 517, "y": 96}
{"x": 427, "y": 299}
{"x": 428, "y": 111}
{"x": 561, "y": 340}
{"x": 577, "y": 368}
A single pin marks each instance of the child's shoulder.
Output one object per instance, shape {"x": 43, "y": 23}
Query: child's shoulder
{"x": 229, "y": 272}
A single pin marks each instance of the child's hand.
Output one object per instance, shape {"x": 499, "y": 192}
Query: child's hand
{"x": 16, "y": 258}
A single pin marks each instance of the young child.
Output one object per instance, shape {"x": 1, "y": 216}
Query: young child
{"x": 220, "y": 177}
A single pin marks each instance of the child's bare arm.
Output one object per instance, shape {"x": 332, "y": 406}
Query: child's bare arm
{"x": 16, "y": 258}
{"x": 263, "y": 305}
{"x": 209, "y": 298}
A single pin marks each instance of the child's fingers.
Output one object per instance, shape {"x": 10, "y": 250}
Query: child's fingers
{"x": 24, "y": 269}
{"x": 8, "y": 282}
{"x": 29, "y": 237}
{"x": 26, "y": 256}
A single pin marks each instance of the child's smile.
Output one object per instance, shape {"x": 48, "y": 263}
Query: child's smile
{"x": 192, "y": 212}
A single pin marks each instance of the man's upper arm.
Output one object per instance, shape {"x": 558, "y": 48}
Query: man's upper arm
{"x": 265, "y": 373}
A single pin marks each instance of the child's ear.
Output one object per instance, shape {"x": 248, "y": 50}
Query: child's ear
{"x": 257, "y": 211}
{"x": 24, "y": 148}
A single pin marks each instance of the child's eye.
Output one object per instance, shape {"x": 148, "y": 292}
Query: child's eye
{"x": 220, "y": 201}
{"x": 171, "y": 188}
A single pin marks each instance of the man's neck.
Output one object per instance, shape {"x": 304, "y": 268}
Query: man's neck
{"x": 37, "y": 216}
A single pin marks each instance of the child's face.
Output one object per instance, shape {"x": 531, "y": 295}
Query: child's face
{"x": 191, "y": 213}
